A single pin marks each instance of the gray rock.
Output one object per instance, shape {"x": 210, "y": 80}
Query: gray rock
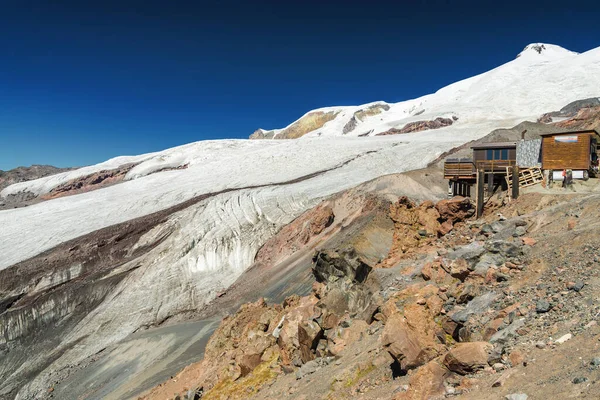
{"x": 580, "y": 379}
{"x": 520, "y": 231}
{"x": 504, "y": 247}
{"x": 495, "y": 355}
{"x": 540, "y": 345}
{"x": 487, "y": 228}
{"x": 577, "y": 286}
{"x": 516, "y": 396}
{"x": 486, "y": 261}
{"x": 542, "y": 306}
{"x": 509, "y": 332}
{"x": 477, "y": 306}
{"x": 595, "y": 362}
{"x": 470, "y": 252}
{"x": 309, "y": 368}
{"x": 331, "y": 265}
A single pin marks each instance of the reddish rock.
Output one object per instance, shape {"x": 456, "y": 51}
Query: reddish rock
{"x": 427, "y": 271}
{"x": 449, "y": 326}
{"x": 419, "y": 126}
{"x": 403, "y": 343}
{"x": 435, "y": 305}
{"x": 299, "y": 312}
{"x": 347, "y": 336}
{"x": 309, "y": 333}
{"x": 247, "y": 363}
{"x": 329, "y": 320}
{"x": 492, "y": 328}
{"x": 466, "y": 358}
{"x": 90, "y": 182}
{"x": 459, "y": 269}
{"x": 426, "y": 383}
{"x": 455, "y": 209}
{"x": 490, "y": 275}
{"x": 528, "y": 241}
{"x": 516, "y": 358}
{"x": 296, "y": 235}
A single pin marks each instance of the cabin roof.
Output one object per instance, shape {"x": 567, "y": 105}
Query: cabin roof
{"x": 571, "y": 132}
{"x": 459, "y": 160}
{"x": 495, "y": 145}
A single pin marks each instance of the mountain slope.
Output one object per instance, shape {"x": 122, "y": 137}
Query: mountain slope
{"x": 183, "y": 224}
{"x": 542, "y": 77}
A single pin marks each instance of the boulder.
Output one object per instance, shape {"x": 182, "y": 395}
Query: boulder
{"x": 504, "y": 247}
{"x": 403, "y": 343}
{"x": 309, "y": 368}
{"x": 455, "y": 209}
{"x": 309, "y": 334}
{"x": 459, "y": 269}
{"x": 346, "y": 336}
{"x": 477, "y": 306}
{"x": 470, "y": 252}
{"x": 288, "y": 335}
{"x": 466, "y": 358}
{"x": 427, "y": 382}
{"x": 248, "y": 362}
{"x": 331, "y": 265}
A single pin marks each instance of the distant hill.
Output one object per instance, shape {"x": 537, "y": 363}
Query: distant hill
{"x": 22, "y": 174}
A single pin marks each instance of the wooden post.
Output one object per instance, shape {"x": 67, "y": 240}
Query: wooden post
{"x": 490, "y": 184}
{"x": 515, "y": 181}
{"x": 479, "y": 193}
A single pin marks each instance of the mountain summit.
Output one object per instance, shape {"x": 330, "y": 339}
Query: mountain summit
{"x": 545, "y": 51}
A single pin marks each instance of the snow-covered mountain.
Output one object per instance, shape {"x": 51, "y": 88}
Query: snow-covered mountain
{"x": 201, "y": 211}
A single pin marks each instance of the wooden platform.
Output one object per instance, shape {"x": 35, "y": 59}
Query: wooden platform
{"x": 459, "y": 169}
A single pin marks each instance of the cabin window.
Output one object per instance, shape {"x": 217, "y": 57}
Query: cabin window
{"x": 496, "y": 154}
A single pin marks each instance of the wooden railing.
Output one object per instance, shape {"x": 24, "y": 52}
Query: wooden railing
{"x": 465, "y": 168}
{"x": 459, "y": 169}
{"x": 494, "y": 165}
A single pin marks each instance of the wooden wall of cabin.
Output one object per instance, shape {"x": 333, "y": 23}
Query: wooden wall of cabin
{"x": 566, "y": 155}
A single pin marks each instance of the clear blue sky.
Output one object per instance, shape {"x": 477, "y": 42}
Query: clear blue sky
{"x": 83, "y": 81}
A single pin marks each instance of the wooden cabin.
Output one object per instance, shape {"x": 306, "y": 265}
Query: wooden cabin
{"x": 570, "y": 150}
{"x": 494, "y": 157}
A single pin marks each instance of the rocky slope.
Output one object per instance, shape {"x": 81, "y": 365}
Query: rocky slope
{"x": 492, "y": 308}
{"x": 453, "y": 309}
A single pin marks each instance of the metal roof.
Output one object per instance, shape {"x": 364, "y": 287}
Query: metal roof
{"x": 494, "y": 145}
